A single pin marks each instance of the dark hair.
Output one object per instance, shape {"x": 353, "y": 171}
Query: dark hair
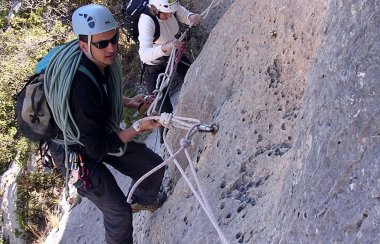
{"x": 83, "y": 38}
{"x": 153, "y": 10}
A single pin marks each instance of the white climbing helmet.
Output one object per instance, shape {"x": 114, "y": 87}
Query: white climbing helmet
{"x": 165, "y": 6}
{"x": 92, "y": 19}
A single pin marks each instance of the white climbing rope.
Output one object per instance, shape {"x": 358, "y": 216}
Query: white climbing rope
{"x": 170, "y": 121}
{"x": 163, "y": 80}
{"x": 207, "y": 10}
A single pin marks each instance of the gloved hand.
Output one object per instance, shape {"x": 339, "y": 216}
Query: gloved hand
{"x": 195, "y": 19}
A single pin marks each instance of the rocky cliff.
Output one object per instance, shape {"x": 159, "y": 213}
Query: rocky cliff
{"x": 294, "y": 88}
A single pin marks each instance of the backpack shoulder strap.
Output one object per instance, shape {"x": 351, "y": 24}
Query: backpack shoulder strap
{"x": 156, "y": 24}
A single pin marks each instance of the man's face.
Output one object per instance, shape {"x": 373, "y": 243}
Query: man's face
{"x": 103, "y": 46}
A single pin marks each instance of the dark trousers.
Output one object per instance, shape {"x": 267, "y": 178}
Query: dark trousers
{"x": 110, "y": 199}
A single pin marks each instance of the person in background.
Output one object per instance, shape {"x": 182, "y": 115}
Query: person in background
{"x": 154, "y": 53}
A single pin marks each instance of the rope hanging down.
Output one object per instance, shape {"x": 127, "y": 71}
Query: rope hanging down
{"x": 164, "y": 79}
{"x": 192, "y": 126}
{"x": 207, "y": 10}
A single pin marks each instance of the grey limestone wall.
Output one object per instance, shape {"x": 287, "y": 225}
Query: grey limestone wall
{"x": 294, "y": 88}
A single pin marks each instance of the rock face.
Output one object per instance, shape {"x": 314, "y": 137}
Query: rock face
{"x": 294, "y": 88}
{"x": 8, "y": 204}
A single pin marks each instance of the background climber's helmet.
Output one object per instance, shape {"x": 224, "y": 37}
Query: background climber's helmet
{"x": 165, "y": 6}
{"x": 92, "y": 19}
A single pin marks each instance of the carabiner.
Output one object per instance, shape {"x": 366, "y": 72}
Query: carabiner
{"x": 208, "y": 128}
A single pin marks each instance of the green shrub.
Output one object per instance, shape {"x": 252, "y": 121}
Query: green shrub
{"x": 37, "y": 195}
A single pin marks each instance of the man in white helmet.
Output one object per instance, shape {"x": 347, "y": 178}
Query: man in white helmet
{"x": 91, "y": 109}
{"x": 153, "y": 52}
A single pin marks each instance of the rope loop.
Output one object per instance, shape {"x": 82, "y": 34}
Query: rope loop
{"x": 169, "y": 121}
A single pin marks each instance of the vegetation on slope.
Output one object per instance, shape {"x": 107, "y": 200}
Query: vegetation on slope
{"x": 29, "y": 30}
{"x": 27, "y": 35}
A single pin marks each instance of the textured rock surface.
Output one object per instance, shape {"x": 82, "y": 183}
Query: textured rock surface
{"x": 332, "y": 186}
{"x": 294, "y": 88}
{"x": 8, "y": 185}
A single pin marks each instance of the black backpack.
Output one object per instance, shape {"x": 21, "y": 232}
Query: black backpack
{"x": 33, "y": 115}
{"x": 35, "y": 121}
{"x": 132, "y": 12}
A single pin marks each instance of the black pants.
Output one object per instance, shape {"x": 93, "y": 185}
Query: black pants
{"x": 151, "y": 74}
{"x": 109, "y": 198}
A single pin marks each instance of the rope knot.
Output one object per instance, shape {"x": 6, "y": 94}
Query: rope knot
{"x": 166, "y": 119}
{"x": 185, "y": 143}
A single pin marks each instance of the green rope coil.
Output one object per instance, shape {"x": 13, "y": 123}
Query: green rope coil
{"x": 59, "y": 75}
{"x": 58, "y": 78}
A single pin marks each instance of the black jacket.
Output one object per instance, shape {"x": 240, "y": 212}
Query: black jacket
{"x": 91, "y": 109}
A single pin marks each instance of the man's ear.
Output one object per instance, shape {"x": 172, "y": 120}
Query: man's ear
{"x": 83, "y": 46}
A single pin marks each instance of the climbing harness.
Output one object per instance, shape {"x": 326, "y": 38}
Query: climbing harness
{"x": 192, "y": 126}
{"x": 83, "y": 173}
{"x": 79, "y": 170}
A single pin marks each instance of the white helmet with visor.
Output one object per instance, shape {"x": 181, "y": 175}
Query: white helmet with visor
{"x": 165, "y": 6}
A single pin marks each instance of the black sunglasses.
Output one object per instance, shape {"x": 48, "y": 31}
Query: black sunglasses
{"x": 103, "y": 44}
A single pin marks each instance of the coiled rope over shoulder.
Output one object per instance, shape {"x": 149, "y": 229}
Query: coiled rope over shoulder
{"x": 59, "y": 75}
{"x": 58, "y": 78}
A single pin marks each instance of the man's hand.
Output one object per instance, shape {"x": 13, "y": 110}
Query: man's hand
{"x": 140, "y": 102}
{"x": 146, "y": 102}
{"x": 134, "y": 130}
{"x": 145, "y": 125}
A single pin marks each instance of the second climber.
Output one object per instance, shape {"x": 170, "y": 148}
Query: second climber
{"x": 154, "y": 51}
